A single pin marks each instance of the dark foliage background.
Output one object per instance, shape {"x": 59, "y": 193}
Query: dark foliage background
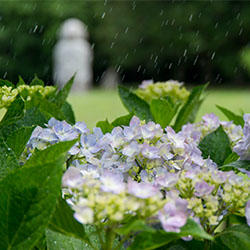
{"x": 188, "y": 41}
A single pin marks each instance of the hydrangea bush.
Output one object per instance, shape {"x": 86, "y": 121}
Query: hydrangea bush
{"x": 153, "y": 179}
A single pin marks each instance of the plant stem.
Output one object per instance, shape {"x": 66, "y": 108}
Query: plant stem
{"x": 110, "y": 236}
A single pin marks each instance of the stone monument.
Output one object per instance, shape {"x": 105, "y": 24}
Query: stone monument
{"x": 73, "y": 55}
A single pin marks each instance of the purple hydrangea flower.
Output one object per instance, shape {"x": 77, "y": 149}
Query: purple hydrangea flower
{"x": 132, "y": 149}
{"x": 174, "y": 215}
{"x": 64, "y": 131}
{"x": 141, "y": 190}
{"x": 145, "y": 83}
{"x": 150, "y": 152}
{"x": 112, "y": 182}
{"x": 151, "y": 130}
{"x": 202, "y": 188}
{"x": 72, "y": 178}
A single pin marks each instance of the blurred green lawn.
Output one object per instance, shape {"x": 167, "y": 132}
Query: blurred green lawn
{"x": 98, "y": 105}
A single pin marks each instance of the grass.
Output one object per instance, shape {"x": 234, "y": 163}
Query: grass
{"x": 98, "y": 105}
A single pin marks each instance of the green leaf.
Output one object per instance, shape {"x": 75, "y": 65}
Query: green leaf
{"x": 20, "y": 81}
{"x": 36, "y": 81}
{"x": 122, "y": 120}
{"x": 235, "y": 237}
{"x": 57, "y": 241}
{"x": 216, "y": 145}
{"x": 18, "y": 139}
{"x": 14, "y": 112}
{"x": 62, "y": 95}
{"x": 189, "y": 110}
{"x": 28, "y": 199}
{"x": 194, "y": 229}
{"x": 6, "y": 83}
{"x": 153, "y": 240}
{"x": 64, "y": 222}
{"x": 134, "y": 104}
{"x": 185, "y": 245}
{"x": 238, "y": 120}
{"x": 134, "y": 226}
{"x": 105, "y": 126}
{"x": 8, "y": 160}
{"x": 68, "y": 113}
{"x": 49, "y": 154}
{"x": 147, "y": 240}
{"x": 163, "y": 111}
{"x": 244, "y": 164}
{"x": 232, "y": 157}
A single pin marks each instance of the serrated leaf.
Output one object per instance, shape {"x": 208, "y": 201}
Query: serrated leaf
{"x": 63, "y": 221}
{"x": 6, "y": 83}
{"x": 122, "y": 120}
{"x": 105, "y": 126}
{"x": 68, "y": 113}
{"x": 57, "y": 241}
{"x": 240, "y": 164}
{"x": 62, "y": 94}
{"x": 194, "y": 229}
{"x": 20, "y": 81}
{"x": 28, "y": 199}
{"x": 216, "y": 145}
{"x": 36, "y": 81}
{"x": 163, "y": 111}
{"x": 231, "y": 158}
{"x": 18, "y": 139}
{"x": 15, "y": 111}
{"x": 134, "y": 104}
{"x": 189, "y": 110}
{"x": 235, "y": 237}
{"x": 49, "y": 154}
{"x": 238, "y": 120}
{"x": 134, "y": 226}
{"x": 8, "y": 160}
{"x": 153, "y": 240}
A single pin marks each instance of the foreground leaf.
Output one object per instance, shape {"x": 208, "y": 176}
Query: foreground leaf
{"x": 153, "y": 240}
{"x": 241, "y": 164}
{"x": 57, "y": 241}
{"x": 28, "y": 199}
{"x": 105, "y": 126}
{"x": 64, "y": 222}
{"x": 189, "y": 110}
{"x": 8, "y": 160}
{"x": 49, "y": 154}
{"x": 122, "y": 120}
{"x": 134, "y": 104}
{"x": 134, "y": 226}
{"x": 62, "y": 94}
{"x": 18, "y": 139}
{"x": 68, "y": 113}
{"x": 216, "y": 146}
{"x": 238, "y": 120}
{"x": 163, "y": 111}
{"x": 235, "y": 237}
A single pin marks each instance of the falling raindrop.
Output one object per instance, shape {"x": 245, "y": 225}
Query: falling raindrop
{"x": 170, "y": 65}
{"x": 139, "y": 68}
{"x": 185, "y": 52}
{"x": 195, "y": 60}
{"x": 213, "y": 55}
{"x": 190, "y": 18}
{"x": 5, "y": 74}
{"x": 103, "y": 15}
{"x": 35, "y": 28}
{"x": 126, "y": 30}
{"x": 241, "y": 30}
{"x": 112, "y": 45}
